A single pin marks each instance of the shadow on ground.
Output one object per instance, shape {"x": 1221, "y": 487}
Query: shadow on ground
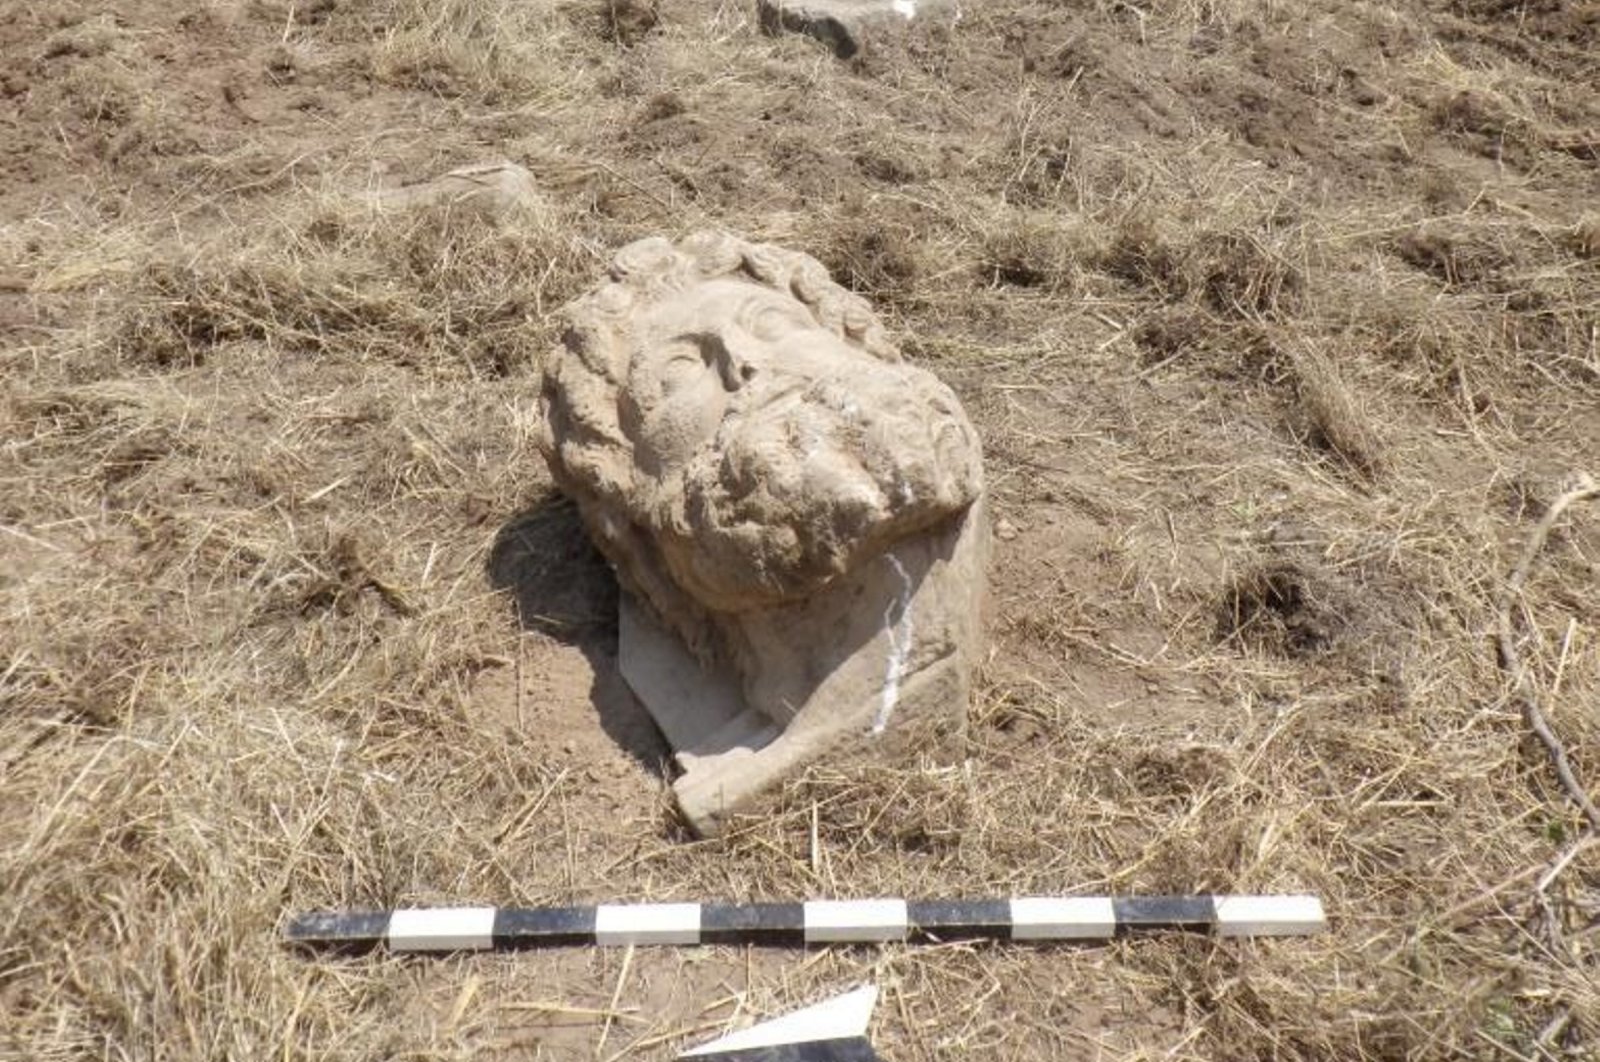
{"x": 564, "y": 589}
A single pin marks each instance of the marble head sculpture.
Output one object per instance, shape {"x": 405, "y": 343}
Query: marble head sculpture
{"x": 794, "y": 513}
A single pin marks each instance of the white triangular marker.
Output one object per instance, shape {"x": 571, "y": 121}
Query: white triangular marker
{"x": 834, "y": 1019}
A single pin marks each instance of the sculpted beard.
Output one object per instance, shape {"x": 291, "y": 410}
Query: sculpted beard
{"x": 808, "y": 484}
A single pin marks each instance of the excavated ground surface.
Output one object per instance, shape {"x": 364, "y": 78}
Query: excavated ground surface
{"x": 1279, "y": 322}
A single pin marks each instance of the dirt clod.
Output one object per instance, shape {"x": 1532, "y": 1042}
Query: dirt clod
{"x": 1281, "y": 610}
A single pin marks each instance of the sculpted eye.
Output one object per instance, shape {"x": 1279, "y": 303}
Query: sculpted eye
{"x": 681, "y": 365}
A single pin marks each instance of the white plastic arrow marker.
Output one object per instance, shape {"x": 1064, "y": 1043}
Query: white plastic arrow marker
{"x": 840, "y": 1018}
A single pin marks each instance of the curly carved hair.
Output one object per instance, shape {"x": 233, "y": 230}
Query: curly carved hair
{"x": 589, "y": 452}
{"x": 586, "y": 444}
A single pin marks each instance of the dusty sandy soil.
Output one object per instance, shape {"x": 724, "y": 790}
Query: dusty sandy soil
{"x": 1281, "y": 323}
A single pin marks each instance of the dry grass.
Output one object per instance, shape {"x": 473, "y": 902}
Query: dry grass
{"x": 499, "y": 53}
{"x": 1336, "y": 417}
{"x": 1279, "y": 321}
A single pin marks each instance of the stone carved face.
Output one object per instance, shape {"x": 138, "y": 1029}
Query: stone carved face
{"x": 723, "y": 412}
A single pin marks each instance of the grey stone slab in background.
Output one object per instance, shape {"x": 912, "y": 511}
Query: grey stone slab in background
{"x": 846, "y": 25}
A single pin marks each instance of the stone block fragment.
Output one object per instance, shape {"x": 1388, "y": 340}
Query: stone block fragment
{"x": 492, "y": 190}
{"x": 845, "y": 25}
{"x": 795, "y": 514}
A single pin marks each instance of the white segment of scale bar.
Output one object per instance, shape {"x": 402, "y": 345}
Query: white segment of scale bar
{"x": 855, "y": 921}
{"x": 442, "y": 929}
{"x": 1063, "y": 918}
{"x": 647, "y": 923}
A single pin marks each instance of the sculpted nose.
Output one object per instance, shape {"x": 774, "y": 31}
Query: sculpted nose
{"x": 739, "y": 360}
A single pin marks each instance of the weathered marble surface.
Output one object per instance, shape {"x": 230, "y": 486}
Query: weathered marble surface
{"x": 794, "y": 512}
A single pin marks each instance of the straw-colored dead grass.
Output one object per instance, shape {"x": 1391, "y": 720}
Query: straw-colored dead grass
{"x": 1279, "y": 322}
{"x": 1336, "y": 417}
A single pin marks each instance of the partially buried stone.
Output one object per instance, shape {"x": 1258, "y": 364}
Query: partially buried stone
{"x": 492, "y": 190}
{"x": 845, "y": 25}
{"x": 794, "y": 513}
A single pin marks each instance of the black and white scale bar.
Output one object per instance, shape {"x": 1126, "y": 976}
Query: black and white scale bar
{"x": 1033, "y": 918}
